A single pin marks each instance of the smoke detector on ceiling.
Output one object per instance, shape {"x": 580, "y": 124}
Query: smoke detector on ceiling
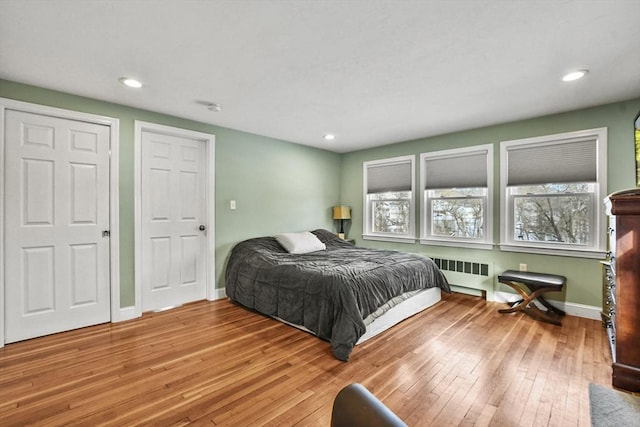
{"x": 212, "y": 106}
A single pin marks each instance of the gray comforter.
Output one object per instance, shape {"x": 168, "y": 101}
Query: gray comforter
{"x": 329, "y": 292}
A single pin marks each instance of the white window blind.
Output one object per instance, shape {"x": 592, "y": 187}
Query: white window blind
{"x": 458, "y": 197}
{"x": 389, "y": 177}
{"x": 464, "y": 171}
{"x": 560, "y": 162}
{"x": 569, "y": 172}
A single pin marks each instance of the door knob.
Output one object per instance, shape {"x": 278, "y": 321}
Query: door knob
{"x": 202, "y": 228}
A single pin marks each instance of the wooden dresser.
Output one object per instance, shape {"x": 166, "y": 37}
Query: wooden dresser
{"x": 621, "y": 305}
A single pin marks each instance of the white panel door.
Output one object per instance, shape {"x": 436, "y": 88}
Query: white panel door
{"x": 57, "y": 207}
{"x": 173, "y": 209}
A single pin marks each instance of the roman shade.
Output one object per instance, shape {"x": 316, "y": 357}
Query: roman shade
{"x": 389, "y": 177}
{"x": 558, "y": 162}
{"x": 461, "y": 171}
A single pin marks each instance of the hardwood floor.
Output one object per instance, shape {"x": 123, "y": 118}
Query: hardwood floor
{"x": 459, "y": 363}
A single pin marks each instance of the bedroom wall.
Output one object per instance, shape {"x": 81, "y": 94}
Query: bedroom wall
{"x": 281, "y": 186}
{"x": 278, "y": 186}
{"x": 584, "y": 275}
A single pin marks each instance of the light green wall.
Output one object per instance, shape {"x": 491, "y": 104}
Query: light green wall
{"x": 278, "y": 186}
{"x": 584, "y": 284}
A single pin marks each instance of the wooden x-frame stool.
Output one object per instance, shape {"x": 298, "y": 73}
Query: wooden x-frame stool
{"x": 537, "y": 284}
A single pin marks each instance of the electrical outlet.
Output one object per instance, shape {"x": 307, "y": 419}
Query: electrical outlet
{"x": 523, "y": 267}
{"x": 232, "y": 204}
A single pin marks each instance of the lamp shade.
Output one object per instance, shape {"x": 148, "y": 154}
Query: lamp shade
{"x": 341, "y": 212}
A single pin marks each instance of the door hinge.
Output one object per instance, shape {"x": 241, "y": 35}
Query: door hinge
{"x": 106, "y": 233}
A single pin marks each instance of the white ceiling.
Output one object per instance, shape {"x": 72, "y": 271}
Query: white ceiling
{"x": 373, "y": 72}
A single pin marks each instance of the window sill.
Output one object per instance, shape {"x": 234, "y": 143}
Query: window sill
{"x": 386, "y": 238}
{"x": 458, "y": 243}
{"x": 577, "y": 253}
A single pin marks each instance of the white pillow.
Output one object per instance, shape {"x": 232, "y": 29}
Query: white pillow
{"x": 300, "y": 243}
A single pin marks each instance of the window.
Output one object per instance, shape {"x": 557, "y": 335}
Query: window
{"x": 552, "y": 189}
{"x": 457, "y": 196}
{"x": 389, "y": 199}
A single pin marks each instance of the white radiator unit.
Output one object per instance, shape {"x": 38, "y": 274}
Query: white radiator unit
{"x": 469, "y": 277}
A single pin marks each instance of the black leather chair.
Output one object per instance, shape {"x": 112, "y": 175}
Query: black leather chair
{"x": 355, "y": 406}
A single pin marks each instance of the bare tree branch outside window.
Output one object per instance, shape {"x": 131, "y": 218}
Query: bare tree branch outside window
{"x": 391, "y": 212}
{"x": 553, "y": 213}
{"x": 457, "y": 212}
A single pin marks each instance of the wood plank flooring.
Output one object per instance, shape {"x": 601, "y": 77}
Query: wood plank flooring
{"x": 459, "y": 363}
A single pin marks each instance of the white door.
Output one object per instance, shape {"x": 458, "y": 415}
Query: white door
{"x": 57, "y": 207}
{"x": 173, "y": 214}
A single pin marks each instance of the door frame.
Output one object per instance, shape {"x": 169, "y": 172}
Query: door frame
{"x": 114, "y": 193}
{"x": 209, "y": 141}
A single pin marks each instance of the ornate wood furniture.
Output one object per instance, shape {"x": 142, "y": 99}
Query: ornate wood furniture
{"x": 621, "y": 305}
{"x": 537, "y": 284}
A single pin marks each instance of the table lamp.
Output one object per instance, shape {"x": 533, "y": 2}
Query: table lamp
{"x": 341, "y": 213}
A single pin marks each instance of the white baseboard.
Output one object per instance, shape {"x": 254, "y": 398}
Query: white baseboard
{"x": 571, "y": 308}
{"x": 127, "y": 313}
{"x": 131, "y": 312}
{"x": 220, "y": 293}
{"x": 465, "y": 290}
{"x": 581, "y": 310}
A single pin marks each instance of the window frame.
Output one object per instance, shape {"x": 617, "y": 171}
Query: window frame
{"x": 597, "y": 247}
{"x": 367, "y": 223}
{"x": 426, "y": 237}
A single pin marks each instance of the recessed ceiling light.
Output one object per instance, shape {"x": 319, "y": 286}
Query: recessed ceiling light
{"x": 130, "y": 82}
{"x": 574, "y": 75}
{"x": 329, "y": 137}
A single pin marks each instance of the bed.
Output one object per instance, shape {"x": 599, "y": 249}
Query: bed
{"x": 337, "y": 291}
